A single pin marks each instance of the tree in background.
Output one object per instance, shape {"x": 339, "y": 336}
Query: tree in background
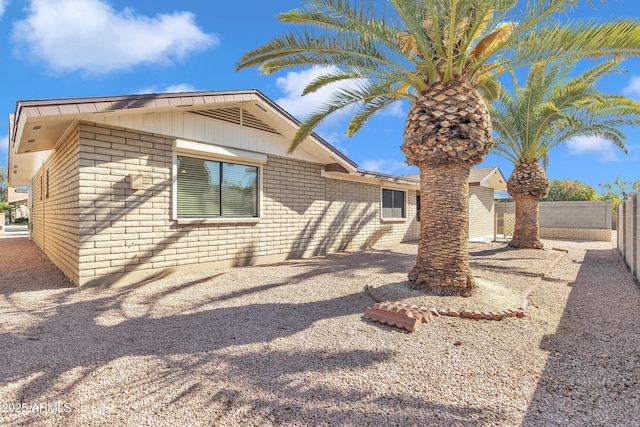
{"x": 4, "y": 184}
{"x": 439, "y": 55}
{"x": 570, "y": 191}
{"x": 617, "y": 190}
{"x": 551, "y": 108}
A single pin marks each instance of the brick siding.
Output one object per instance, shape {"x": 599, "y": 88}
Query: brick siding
{"x": 114, "y": 233}
{"x": 481, "y": 214}
{"x": 55, "y": 213}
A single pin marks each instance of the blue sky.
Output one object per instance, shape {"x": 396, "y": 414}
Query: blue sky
{"x": 79, "y": 48}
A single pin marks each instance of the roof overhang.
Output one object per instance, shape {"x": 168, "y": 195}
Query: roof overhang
{"x": 495, "y": 180}
{"x": 374, "y": 178}
{"x": 39, "y": 125}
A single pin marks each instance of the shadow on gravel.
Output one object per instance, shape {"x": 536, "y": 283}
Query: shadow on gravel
{"x": 70, "y": 347}
{"x": 19, "y": 274}
{"x": 592, "y": 375}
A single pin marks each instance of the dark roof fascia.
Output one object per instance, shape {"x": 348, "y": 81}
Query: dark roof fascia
{"x": 386, "y": 177}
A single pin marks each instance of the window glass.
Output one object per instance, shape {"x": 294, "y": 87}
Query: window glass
{"x": 207, "y": 188}
{"x": 239, "y": 190}
{"x": 393, "y": 205}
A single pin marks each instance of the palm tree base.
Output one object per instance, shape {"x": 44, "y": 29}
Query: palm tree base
{"x": 443, "y": 283}
{"x": 526, "y": 244}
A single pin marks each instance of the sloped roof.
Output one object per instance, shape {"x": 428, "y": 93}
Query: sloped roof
{"x": 37, "y": 125}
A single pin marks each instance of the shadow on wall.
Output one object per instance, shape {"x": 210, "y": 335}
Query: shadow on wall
{"x": 347, "y": 230}
{"x": 592, "y": 376}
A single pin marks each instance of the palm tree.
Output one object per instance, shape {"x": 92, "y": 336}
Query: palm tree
{"x": 438, "y": 54}
{"x": 550, "y": 109}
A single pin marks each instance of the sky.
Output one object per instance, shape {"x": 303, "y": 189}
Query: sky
{"x": 83, "y": 48}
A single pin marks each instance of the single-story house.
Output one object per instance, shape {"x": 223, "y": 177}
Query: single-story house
{"x": 129, "y": 187}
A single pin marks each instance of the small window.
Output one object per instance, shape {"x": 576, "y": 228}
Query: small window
{"x": 393, "y": 204}
{"x": 211, "y": 189}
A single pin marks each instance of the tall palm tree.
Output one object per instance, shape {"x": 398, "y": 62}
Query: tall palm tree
{"x": 550, "y": 109}
{"x": 437, "y": 54}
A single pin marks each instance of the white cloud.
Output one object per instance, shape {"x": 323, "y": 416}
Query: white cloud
{"x": 293, "y": 84}
{"x": 335, "y": 140}
{"x": 3, "y": 6}
{"x": 387, "y": 166}
{"x": 632, "y": 90}
{"x": 394, "y": 110}
{"x": 593, "y": 145}
{"x": 182, "y": 87}
{"x": 90, "y": 36}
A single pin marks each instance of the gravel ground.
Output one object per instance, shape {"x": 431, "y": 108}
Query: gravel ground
{"x": 287, "y": 345}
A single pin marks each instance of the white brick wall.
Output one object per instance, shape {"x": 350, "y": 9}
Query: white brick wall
{"x": 481, "y": 215}
{"x": 54, "y": 217}
{"x": 116, "y": 233}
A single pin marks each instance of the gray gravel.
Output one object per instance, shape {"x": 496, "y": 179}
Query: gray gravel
{"x": 287, "y": 345}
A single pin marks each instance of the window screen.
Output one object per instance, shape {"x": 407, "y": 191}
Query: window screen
{"x": 207, "y": 189}
{"x": 393, "y": 203}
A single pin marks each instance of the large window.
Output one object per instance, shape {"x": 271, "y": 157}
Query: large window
{"x": 211, "y": 189}
{"x": 393, "y": 205}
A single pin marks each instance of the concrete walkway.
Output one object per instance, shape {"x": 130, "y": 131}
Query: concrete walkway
{"x": 15, "y": 230}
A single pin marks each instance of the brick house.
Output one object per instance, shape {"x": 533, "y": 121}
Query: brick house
{"x": 130, "y": 187}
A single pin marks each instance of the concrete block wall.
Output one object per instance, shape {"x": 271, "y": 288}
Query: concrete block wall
{"x": 124, "y": 230}
{"x": 55, "y": 213}
{"x": 481, "y": 212}
{"x": 597, "y": 235}
{"x": 629, "y": 233}
{"x": 128, "y": 235}
{"x": 353, "y": 217}
{"x": 585, "y": 215}
{"x": 569, "y": 220}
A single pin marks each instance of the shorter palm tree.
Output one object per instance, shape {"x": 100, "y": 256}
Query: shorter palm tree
{"x": 550, "y": 109}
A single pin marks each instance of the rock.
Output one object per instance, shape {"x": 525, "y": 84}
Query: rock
{"x": 467, "y": 314}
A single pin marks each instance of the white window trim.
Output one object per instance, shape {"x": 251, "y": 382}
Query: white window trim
{"x": 219, "y": 154}
{"x": 406, "y": 207}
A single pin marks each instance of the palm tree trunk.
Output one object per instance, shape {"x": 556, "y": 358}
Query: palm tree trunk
{"x": 527, "y": 184}
{"x": 442, "y": 263}
{"x": 526, "y": 233}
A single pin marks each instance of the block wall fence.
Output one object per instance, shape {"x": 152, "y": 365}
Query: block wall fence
{"x": 568, "y": 220}
{"x": 629, "y": 234}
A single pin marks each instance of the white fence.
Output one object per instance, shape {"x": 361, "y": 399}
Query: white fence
{"x": 628, "y": 233}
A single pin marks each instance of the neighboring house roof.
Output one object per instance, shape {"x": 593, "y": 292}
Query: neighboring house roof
{"x": 17, "y": 195}
{"x": 490, "y": 177}
{"x": 38, "y": 125}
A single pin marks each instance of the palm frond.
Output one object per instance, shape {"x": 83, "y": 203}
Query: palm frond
{"x": 552, "y": 108}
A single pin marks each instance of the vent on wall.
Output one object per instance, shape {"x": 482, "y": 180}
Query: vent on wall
{"x": 237, "y": 116}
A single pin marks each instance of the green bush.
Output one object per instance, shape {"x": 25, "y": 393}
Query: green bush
{"x": 21, "y": 220}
